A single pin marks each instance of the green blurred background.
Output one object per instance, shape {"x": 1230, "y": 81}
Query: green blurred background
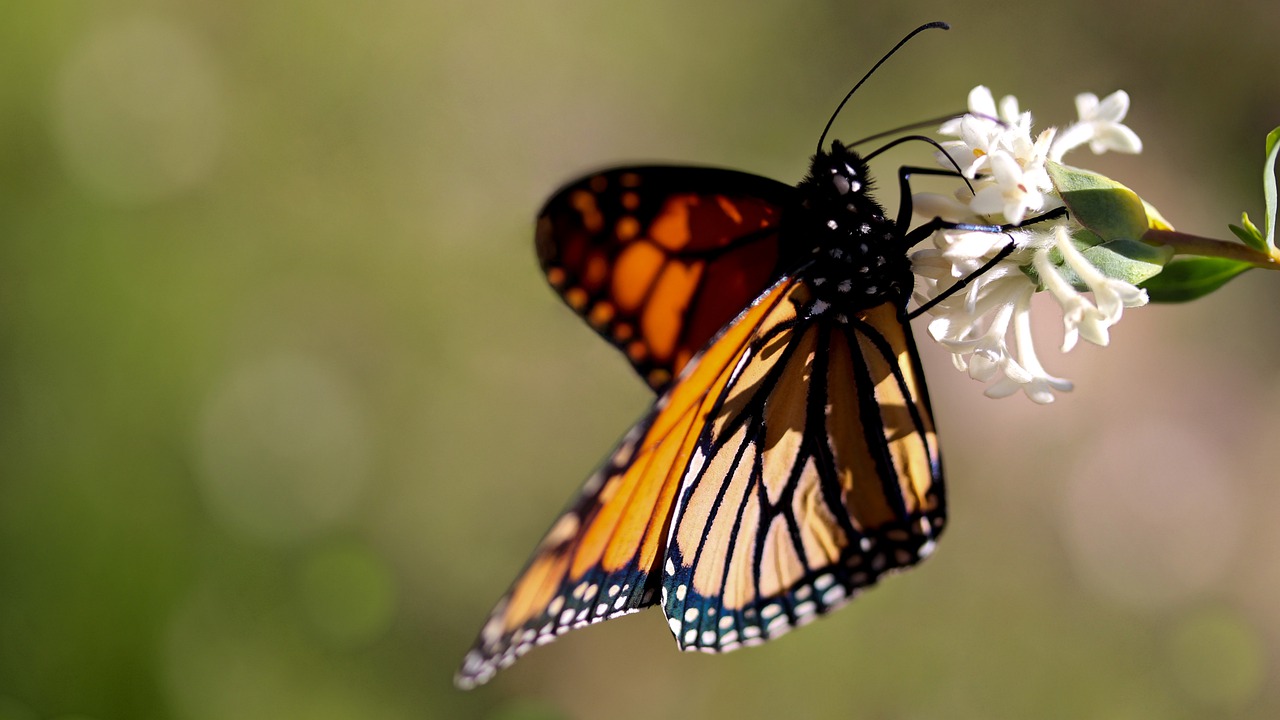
{"x": 285, "y": 402}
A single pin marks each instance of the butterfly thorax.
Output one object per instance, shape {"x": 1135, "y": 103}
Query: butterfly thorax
{"x": 850, "y": 252}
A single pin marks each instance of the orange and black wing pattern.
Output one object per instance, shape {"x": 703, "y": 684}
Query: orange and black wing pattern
{"x": 658, "y": 259}
{"x": 818, "y": 472}
{"x": 602, "y": 558}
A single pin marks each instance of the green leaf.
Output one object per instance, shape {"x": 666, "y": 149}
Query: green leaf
{"x": 1125, "y": 260}
{"x": 1249, "y": 233}
{"x": 1190, "y": 278}
{"x": 1269, "y": 188}
{"x": 1128, "y": 260}
{"x": 1106, "y": 207}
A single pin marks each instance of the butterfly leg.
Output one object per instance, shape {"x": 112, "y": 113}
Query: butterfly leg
{"x": 905, "y": 206}
{"x": 922, "y": 232}
{"x": 938, "y": 224}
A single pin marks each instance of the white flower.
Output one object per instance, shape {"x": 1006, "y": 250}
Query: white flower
{"x": 975, "y": 324}
{"x": 1099, "y": 126}
{"x": 1011, "y": 194}
{"x": 997, "y": 152}
{"x": 1082, "y": 318}
{"x": 987, "y": 325}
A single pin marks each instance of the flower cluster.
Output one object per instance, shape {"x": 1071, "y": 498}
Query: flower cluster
{"x": 987, "y": 326}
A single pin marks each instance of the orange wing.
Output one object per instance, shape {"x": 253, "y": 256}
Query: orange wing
{"x": 659, "y": 259}
{"x": 817, "y": 473}
{"x": 601, "y": 557}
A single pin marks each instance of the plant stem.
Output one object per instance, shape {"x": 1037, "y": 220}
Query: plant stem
{"x": 1185, "y": 244}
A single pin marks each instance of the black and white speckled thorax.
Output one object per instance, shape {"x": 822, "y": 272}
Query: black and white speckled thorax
{"x": 853, "y": 253}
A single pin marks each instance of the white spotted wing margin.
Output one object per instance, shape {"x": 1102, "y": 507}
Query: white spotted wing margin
{"x": 548, "y": 599}
{"x": 602, "y": 558}
{"x": 817, "y": 473}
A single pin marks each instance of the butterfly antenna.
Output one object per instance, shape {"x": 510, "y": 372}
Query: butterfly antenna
{"x": 927, "y": 26}
{"x": 931, "y": 122}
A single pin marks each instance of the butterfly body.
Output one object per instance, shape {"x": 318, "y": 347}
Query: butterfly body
{"x": 789, "y": 459}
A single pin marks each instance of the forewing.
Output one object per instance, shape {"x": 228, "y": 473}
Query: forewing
{"x": 601, "y": 558}
{"x": 817, "y": 473}
{"x": 659, "y": 259}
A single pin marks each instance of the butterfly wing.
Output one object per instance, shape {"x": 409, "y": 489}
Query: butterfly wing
{"x": 601, "y": 558}
{"x": 818, "y": 471}
{"x": 658, "y": 259}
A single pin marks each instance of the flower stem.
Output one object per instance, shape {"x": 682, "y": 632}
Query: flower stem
{"x": 1185, "y": 244}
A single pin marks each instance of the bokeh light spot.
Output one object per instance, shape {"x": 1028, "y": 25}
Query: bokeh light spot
{"x": 348, "y": 593}
{"x": 1217, "y": 658}
{"x": 284, "y": 449}
{"x": 138, "y": 111}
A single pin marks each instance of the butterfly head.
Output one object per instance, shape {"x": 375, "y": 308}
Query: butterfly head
{"x": 842, "y": 172}
{"x": 840, "y": 184}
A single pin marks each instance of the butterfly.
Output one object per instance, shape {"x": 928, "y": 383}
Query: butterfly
{"x": 790, "y": 459}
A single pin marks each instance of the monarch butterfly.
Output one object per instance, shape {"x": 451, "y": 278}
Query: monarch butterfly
{"x": 790, "y": 458}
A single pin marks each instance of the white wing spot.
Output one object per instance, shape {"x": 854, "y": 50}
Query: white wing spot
{"x": 690, "y": 615}
{"x": 780, "y": 621}
{"x": 695, "y": 469}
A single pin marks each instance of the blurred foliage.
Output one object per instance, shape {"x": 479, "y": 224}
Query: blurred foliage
{"x": 284, "y": 402}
